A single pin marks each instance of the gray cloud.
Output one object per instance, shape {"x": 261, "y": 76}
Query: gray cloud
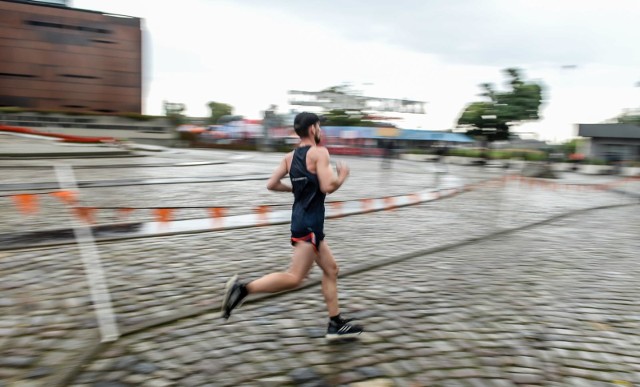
{"x": 488, "y": 32}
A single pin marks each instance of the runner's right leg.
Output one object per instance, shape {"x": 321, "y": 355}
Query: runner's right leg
{"x": 338, "y": 327}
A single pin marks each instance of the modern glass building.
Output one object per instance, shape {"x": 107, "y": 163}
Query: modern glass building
{"x": 53, "y": 57}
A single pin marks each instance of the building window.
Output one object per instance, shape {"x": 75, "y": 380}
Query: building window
{"x": 66, "y": 26}
{"x": 103, "y": 41}
{"x": 17, "y": 75}
{"x": 79, "y": 76}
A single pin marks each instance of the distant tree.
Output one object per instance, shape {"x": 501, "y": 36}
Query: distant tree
{"x": 570, "y": 146}
{"x": 174, "y": 112}
{"x": 629, "y": 118}
{"x": 339, "y": 117}
{"x": 219, "y": 110}
{"x": 492, "y": 119}
{"x": 340, "y": 89}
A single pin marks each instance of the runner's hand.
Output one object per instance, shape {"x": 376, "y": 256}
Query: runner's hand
{"x": 342, "y": 169}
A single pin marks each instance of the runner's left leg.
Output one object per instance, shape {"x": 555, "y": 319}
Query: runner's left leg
{"x": 327, "y": 263}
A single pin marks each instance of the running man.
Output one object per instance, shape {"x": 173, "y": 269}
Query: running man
{"x": 311, "y": 180}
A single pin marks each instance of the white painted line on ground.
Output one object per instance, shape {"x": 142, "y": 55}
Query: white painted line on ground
{"x": 91, "y": 261}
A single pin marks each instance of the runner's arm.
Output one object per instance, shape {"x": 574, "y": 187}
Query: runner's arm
{"x": 329, "y": 182}
{"x": 274, "y": 183}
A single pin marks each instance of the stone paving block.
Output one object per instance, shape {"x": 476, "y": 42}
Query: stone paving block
{"x": 17, "y": 361}
{"x": 380, "y": 382}
{"x": 157, "y": 383}
{"x": 274, "y": 381}
{"x": 580, "y": 382}
{"x": 10, "y": 373}
{"x": 500, "y": 383}
{"x": 26, "y": 383}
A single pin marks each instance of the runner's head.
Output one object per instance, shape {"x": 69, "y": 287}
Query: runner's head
{"x": 307, "y": 125}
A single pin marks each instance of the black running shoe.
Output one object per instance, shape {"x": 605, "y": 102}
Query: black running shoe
{"x": 235, "y": 293}
{"x": 343, "y": 330}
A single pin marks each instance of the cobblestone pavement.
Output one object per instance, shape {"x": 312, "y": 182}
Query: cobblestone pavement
{"x": 554, "y": 304}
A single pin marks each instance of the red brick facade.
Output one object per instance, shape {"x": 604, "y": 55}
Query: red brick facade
{"x": 58, "y": 58}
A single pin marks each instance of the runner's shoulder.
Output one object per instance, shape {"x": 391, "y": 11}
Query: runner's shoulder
{"x": 288, "y": 156}
{"x": 320, "y": 150}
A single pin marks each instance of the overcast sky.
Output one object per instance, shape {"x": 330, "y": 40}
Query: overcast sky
{"x": 249, "y": 53}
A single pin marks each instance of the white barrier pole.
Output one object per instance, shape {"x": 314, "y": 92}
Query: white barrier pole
{"x": 91, "y": 261}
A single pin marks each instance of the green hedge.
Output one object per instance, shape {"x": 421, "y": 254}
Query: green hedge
{"x": 463, "y": 152}
{"x": 533, "y": 156}
{"x": 502, "y": 154}
{"x": 594, "y": 162}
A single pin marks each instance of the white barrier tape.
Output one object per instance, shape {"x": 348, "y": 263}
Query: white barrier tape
{"x": 450, "y": 187}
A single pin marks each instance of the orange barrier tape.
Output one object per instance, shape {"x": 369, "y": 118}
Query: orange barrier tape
{"x": 26, "y": 203}
{"x": 163, "y": 215}
{"x": 86, "y": 214}
{"x": 262, "y": 212}
{"x": 414, "y": 198}
{"x": 337, "y": 207}
{"x": 533, "y": 182}
{"x": 124, "y": 212}
{"x": 217, "y": 212}
{"x": 367, "y": 204}
{"x": 68, "y": 197}
{"x": 217, "y": 215}
{"x": 390, "y": 203}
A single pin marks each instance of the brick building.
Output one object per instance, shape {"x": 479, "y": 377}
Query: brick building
{"x": 53, "y": 57}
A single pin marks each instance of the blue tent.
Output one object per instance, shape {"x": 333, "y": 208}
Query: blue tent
{"x": 402, "y": 134}
{"x": 432, "y": 135}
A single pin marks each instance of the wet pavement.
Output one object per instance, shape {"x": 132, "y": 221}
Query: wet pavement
{"x": 503, "y": 285}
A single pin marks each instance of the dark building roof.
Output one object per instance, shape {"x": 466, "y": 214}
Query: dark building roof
{"x": 609, "y": 130}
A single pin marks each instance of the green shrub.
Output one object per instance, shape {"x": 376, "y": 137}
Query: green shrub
{"x": 594, "y": 162}
{"x": 284, "y": 148}
{"x": 535, "y": 156}
{"x": 500, "y": 155}
{"x": 416, "y": 151}
{"x": 465, "y": 152}
{"x": 10, "y": 109}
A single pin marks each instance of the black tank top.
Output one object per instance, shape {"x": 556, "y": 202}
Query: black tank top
{"x": 307, "y": 214}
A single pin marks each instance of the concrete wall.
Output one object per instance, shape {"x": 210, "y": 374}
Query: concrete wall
{"x": 157, "y": 131}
